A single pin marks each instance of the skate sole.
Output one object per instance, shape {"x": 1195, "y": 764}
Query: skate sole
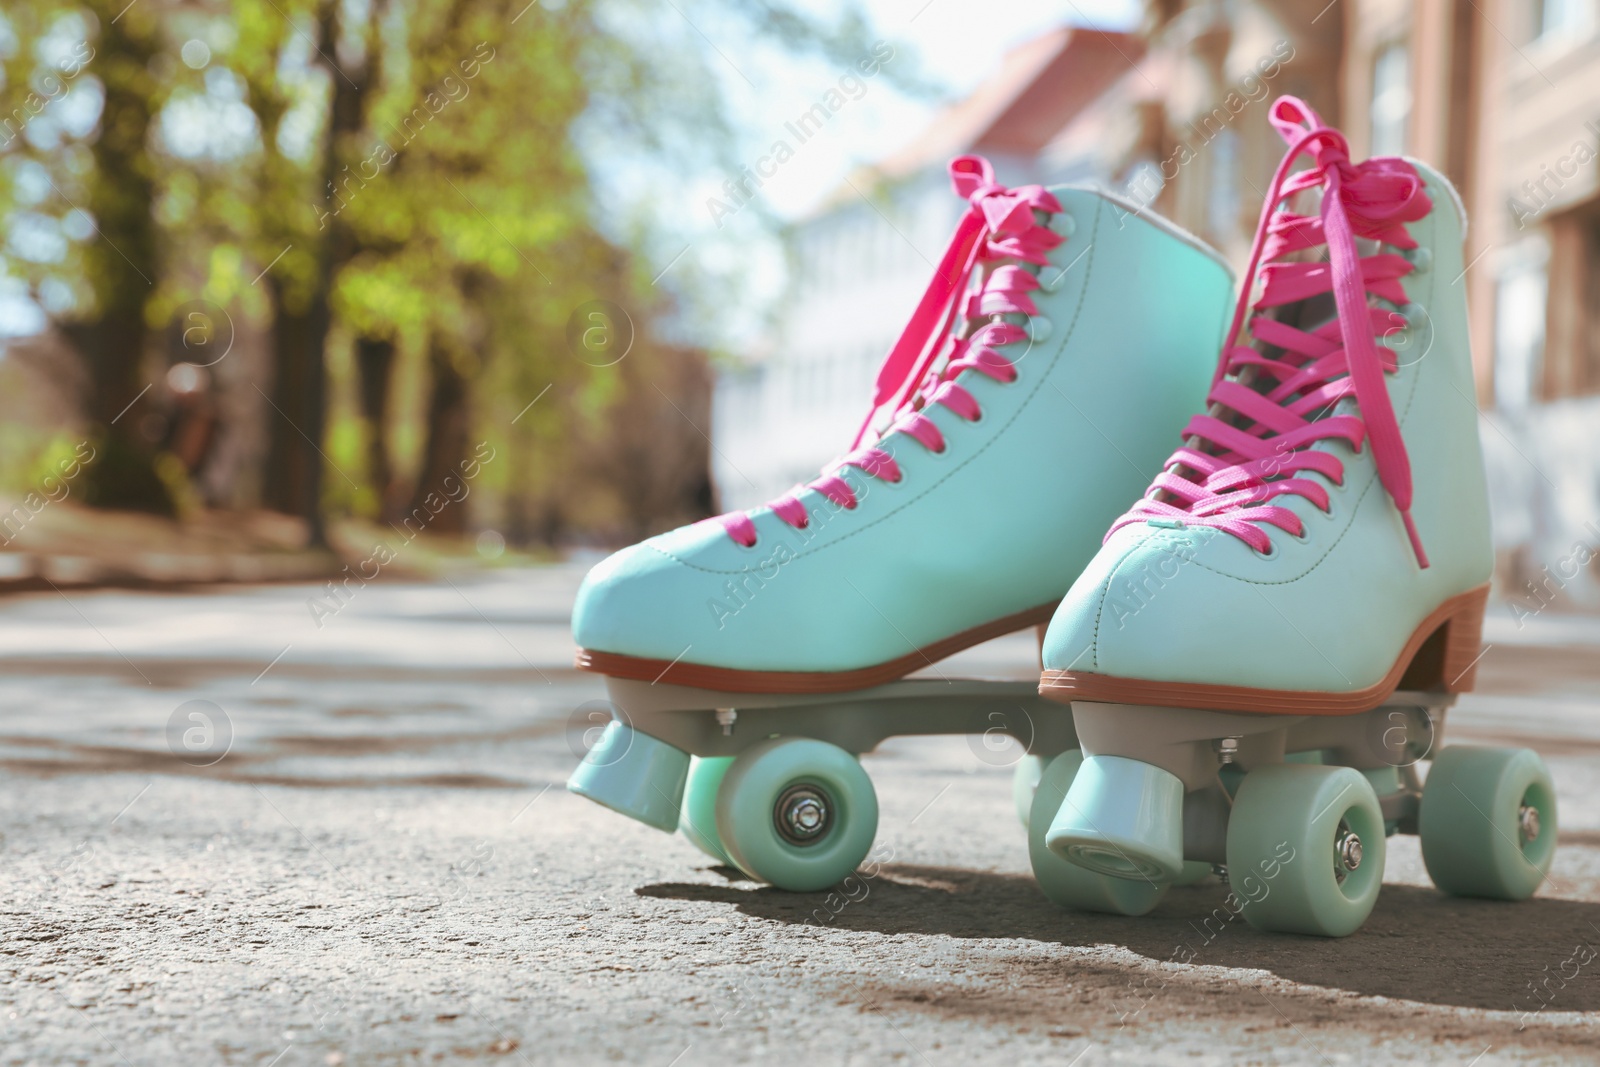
{"x": 730, "y": 680}
{"x": 1441, "y": 655}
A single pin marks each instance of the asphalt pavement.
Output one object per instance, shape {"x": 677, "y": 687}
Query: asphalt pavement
{"x": 239, "y": 828}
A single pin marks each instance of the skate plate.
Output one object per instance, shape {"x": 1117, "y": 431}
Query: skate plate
{"x": 706, "y": 722}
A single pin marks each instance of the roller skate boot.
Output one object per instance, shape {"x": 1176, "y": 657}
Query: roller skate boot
{"x": 751, "y": 658}
{"x": 1266, "y": 644}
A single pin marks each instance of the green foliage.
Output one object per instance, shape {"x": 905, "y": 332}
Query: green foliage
{"x": 453, "y": 176}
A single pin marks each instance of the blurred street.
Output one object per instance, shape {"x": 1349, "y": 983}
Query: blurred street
{"x": 383, "y": 867}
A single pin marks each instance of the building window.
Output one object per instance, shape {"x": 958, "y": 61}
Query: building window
{"x": 1519, "y": 321}
{"x": 1562, "y": 18}
{"x": 1391, "y": 99}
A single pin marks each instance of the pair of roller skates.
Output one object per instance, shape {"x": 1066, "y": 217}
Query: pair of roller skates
{"x": 1241, "y": 677}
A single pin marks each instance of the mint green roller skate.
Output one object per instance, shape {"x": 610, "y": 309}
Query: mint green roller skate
{"x": 750, "y": 659}
{"x": 1265, "y": 645}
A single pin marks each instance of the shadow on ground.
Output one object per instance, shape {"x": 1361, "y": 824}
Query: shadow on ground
{"x": 1418, "y": 945}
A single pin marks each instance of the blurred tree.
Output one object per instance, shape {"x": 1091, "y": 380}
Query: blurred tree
{"x": 101, "y": 179}
{"x": 409, "y": 202}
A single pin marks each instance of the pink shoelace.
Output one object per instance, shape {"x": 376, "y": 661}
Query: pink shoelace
{"x": 999, "y": 227}
{"x": 1256, "y": 437}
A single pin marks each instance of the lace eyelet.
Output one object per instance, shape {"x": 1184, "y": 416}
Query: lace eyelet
{"x": 1420, "y": 259}
{"x": 1270, "y": 553}
{"x": 1062, "y": 224}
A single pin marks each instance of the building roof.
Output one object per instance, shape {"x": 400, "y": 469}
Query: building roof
{"x": 1037, "y": 89}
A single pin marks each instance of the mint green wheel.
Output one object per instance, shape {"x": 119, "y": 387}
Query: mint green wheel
{"x": 1065, "y": 882}
{"x": 1306, "y": 849}
{"x": 1024, "y": 780}
{"x": 1488, "y": 822}
{"x": 796, "y": 813}
{"x": 698, "y": 816}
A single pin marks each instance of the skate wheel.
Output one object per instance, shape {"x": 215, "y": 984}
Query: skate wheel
{"x": 1306, "y": 849}
{"x": 1024, "y": 780}
{"x": 797, "y": 813}
{"x": 1488, "y": 822}
{"x": 1065, "y": 882}
{"x": 698, "y": 817}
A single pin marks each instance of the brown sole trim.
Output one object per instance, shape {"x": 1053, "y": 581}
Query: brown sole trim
{"x": 1442, "y": 654}
{"x": 725, "y": 679}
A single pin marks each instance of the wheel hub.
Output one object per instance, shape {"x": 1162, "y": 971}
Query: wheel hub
{"x": 1528, "y": 822}
{"x": 1346, "y": 851}
{"x": 803, "y": 814}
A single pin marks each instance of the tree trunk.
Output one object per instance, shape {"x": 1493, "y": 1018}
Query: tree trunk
{"x": 300, "y": 385}
{"x": 122, "y": 268}
{"x": 447, "y": 443}
{"x": 374, "y": 363}
{"x": 293, "y": 483}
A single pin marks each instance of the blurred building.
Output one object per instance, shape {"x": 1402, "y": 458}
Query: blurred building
{"x": 1503, "y": 96}
{"x": 862, "y": 261}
